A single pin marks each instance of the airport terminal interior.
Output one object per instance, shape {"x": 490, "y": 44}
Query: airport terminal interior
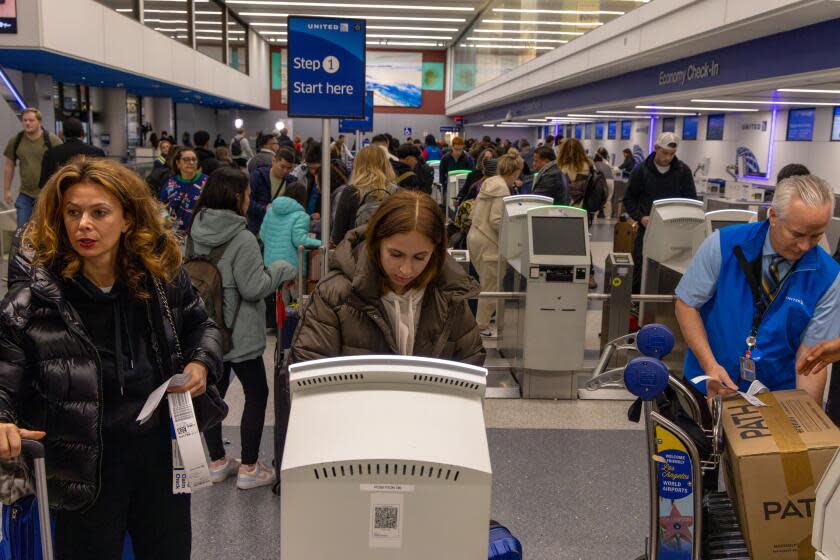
{"x": 623, "y": 351}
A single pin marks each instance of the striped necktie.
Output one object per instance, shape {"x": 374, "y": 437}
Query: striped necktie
{"x": 771, "y": 280}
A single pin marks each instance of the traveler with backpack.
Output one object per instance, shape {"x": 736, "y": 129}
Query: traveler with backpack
{"x": 286, "y": 227}
{"x": 240, "y": 149}
{"x": 393, "y": 289}
{"x": 181, "y": 191}
{"x": 371, "y": 182}
{"x": 431, "y": 151}
{"x": 483, "y": 236}
{"x": 86, "y": 338}
{"x": 27, "y": 147}
{"x": 220, "y": 246}
{"x": 405, "y": 169}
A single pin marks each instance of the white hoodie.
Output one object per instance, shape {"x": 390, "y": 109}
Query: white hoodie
{"x": 404, "y": 313}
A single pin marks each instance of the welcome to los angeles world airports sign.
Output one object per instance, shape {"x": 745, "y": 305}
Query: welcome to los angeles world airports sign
{"x": 326, "y": 67}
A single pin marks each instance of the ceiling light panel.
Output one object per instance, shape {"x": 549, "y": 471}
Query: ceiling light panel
{"x": 529, "y": 32}
{"x": 517, "y": 40}
{"x": 543, "y": 22}
{"x": 559, "y": 12}
{"x": 797, "y": 90}
{"x": 356, "y": 16}
{"x": 675, "y": 108}
{"x": 352, "y": 5}
{"x": 749, "y": 102}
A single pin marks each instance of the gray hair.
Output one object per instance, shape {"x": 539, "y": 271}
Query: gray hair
{"x": 810, "y": 189}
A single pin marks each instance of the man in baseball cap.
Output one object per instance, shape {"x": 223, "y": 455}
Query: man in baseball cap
{"x": 660, "y": 176}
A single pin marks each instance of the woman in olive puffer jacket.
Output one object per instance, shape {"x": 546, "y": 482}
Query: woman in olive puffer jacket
{"x": 393, "y": 289}
{"x": 84, "y": 340}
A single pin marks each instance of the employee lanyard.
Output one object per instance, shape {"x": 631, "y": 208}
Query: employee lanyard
{"x": 752, "y": 270}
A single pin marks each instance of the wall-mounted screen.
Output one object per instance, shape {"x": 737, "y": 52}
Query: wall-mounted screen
{"x": 835, "y": 125}
{"x": 714, "y": 127}
{"x": 558, "y": 236}
{"x": 578, "y": 131}
{"x": 626, "y": 129}
{"x": 611, "y": 126}
{"x": 589, "y": 131}
{"x": 800, "y": 125}
{"x": 689, "y": 131}
{"x": 599, "y": 131}
{"x": 669, "y": 124}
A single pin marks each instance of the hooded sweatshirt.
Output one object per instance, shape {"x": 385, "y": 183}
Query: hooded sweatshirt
{"x": 244, "y": 278}
{"x": 404, "y": 313}
{"x": 284, "y": 228}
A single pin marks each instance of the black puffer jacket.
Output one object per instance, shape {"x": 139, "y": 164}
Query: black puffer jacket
{"x": 51, "y": 378}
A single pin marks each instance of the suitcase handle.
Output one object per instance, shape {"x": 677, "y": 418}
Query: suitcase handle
{"x": 35, "y": 449}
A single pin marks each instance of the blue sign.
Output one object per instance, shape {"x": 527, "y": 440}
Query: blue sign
{"x": 626, "y": 129}
{"x": 835, "y": 125}
{"x": 800, "y": 125}
{"x": 406, "y": 131}
{"x": 361, "y": 125}
{"x": 689, "y": 131}
{"x": 445, "y": 129}
{"x": 714, "y": 127}
{"x": 611, "y": 126}
{"x": 599, "y": 131}
{"x": 578, "y": 131}
{"x": 326, "y": 67}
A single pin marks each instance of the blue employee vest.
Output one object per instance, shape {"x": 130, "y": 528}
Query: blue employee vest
{"x": 728, "y": 316}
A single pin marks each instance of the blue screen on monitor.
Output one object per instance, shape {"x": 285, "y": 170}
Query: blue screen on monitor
{"x": 714, "y": 129}
{"x": 599, "y": 131}
{"x": 689, "y": 131}
{"x": 589, "y": 131}
{"x": 626, "y": 129}
{"x": 835, "y": 124}
{"x": 800, "y": 125}
{"x": 611, "y": 130}
{"x": 578, "y": 131}
{"x": 669, "y": 124}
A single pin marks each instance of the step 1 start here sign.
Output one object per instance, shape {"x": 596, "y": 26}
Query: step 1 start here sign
{"x": 326, "y": 67}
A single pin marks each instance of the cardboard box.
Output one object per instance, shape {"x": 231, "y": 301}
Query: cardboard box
{"x": 624, "y": 235}
{"x": 776, "y": 456}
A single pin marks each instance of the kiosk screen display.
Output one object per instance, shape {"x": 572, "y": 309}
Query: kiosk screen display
{"x": 800, "y": 125}
{"x": 611, "y": 126}
{"x": 558, "y": 236}
{"x": 599, "y": 131}
{"x": 714, "y": 128}
{"x": 689, "y": 128}
{"x": 717, "y": 224}
{"x": 835, "y": 124}
{"x": 669, "y": 124}
{"x": 626, "y": 129}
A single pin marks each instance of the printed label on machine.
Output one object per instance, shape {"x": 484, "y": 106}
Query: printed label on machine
{"x": 386, "y": 520}
{"x": 676, "y": 497}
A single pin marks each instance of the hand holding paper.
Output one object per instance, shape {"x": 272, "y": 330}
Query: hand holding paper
{"x": 756, "y": 388}
{"x": 719, "y": 382}
{"x": 194, "y": 380}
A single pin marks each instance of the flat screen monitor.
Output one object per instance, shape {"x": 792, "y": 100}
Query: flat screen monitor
{"x": 626, "y": 129}
{"x": 599, "y": 131}
{"x": 835, "y": 125}
{"x": 611, "y": 126}
{"x": 588, "y": 131}
{"x": 558, "y": 236}
{"x": 714, "y": 127}
{"x": 669, "y": 124}
{"x": 578, "y": 131}
{"x": 717, "y": 224}
{"x": 800, "y": 125}
{"x": 689, "y": 131}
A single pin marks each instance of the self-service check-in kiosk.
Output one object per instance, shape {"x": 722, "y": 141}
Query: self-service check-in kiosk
{"x": 455, "y": 180}
{"x": 512, "y": 232}
{"x": 723, "y": 218}
{"x": 551, "y": 325}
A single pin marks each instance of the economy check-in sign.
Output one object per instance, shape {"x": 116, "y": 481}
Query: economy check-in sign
{"x": 326, "y": 67}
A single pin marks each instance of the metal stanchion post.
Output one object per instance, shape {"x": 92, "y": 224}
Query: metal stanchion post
{"x": 325, "y": 194}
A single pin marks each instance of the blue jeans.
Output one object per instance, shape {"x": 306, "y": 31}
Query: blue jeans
{"x": 24, "y": 205}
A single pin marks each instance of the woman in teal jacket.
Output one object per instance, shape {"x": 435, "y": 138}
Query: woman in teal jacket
{"x": 286, "y": 226}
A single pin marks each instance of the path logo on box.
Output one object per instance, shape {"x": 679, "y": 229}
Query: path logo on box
{"x": 798, "y": 509}
{"x": 749, "y": 422}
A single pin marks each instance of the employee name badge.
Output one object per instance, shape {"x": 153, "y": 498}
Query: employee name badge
{"x": 748, "y": 361}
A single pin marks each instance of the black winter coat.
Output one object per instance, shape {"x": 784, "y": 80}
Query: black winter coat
{"x": 51, "y": 378}
{"x": 59, "y": 155}
{"x": 648, "y": 185}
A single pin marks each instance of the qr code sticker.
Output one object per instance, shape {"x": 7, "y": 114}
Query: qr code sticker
{"x": 386, "y": 520}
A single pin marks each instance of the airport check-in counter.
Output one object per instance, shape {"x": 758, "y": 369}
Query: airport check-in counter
{"x": 512, "y": 233}
{"x": 721, "y": 218}
{"x": 714, "y": 203}
{"x": 551, "y": 320}
{"x": 676, "y": 229}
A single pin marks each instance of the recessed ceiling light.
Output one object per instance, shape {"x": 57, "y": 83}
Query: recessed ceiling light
{"x": 399, "y": 44}
{"x": 541, "y": 22}
{"x": 411, "y": 28}
{"x": 352, "y": 5}
{"x": 673, "y": 108}
{"x": 796, "y": 90}
{"x": 748, "y": 102}
{"x": 529, "y": 32}
{"x": 569, "y": 12}
{"x": 517, "y": 40}
{"x": 646, "y": 113}
{"x": 358, "y": 16}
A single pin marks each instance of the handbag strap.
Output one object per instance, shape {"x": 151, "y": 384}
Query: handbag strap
{"x": 168, "y": 312}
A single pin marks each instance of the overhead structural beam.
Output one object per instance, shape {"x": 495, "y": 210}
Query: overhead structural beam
{"x": 191, "y": 23}
{"x": 138, "y": 8}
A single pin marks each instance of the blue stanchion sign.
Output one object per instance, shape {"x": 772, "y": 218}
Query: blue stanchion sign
{"x": 326, "y": 67}
{"x": 361, "y": 125}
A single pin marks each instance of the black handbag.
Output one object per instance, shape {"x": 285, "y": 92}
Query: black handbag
{"x": 210, "y": 408}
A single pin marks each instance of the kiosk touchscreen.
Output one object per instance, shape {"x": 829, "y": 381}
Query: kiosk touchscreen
{"x": 724, "y": 218}
{"x": 386, "y": 457}
{"x": 552, "y": 325}
{"x": 455, "y": 180}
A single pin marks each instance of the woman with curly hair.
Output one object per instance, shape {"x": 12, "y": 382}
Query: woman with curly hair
{"x": 84, "y": 340}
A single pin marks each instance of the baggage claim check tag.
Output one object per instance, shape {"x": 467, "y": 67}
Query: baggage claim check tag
{"x": 189, "y": 465}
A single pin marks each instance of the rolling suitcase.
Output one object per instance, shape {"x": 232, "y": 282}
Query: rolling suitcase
{"x": 502, "y": 545}
{"x": 22, "y": 537}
